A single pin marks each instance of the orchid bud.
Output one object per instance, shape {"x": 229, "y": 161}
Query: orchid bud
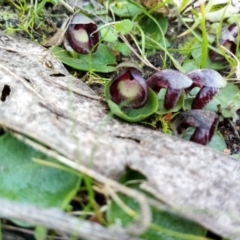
{"x": 82, "y": 35}
{"x": 204, "y": 122}
{"x": 209, "y": 81}
{"x": 129, "y": 88}
{"x": 175, "y": 82}
{"x": 228, "y": 39}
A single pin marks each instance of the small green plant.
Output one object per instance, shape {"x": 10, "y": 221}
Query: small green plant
{"x": 205, "y": 34}
{"x": 27, "y": 181}
{"x": 30, "y": 17}
{"x": 133, "y": 95}
{"x": 152, "y": 29}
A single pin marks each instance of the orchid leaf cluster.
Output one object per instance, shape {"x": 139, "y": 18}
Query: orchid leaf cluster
{"x": 133, "y": 98}
{"x": 128, "y": 94}
{"x": 83, "y": 35}
{"x": 83, "y": 50}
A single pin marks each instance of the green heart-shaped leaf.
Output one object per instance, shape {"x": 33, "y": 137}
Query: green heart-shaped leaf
{"x": 99, "y": 61}
{"x": 25, "y": 181}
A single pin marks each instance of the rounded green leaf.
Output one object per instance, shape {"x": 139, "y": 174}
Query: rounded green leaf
{"x": 124, "y": 27}
{"x": 122, "y": 48}
{"x": 155, "y": 30}
{"x": 99, "y": 61}
{"x": 25, "y": 181}
{"x": 109, "y": 34}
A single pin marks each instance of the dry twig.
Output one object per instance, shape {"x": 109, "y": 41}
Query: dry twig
{"x": 59, "y": 221}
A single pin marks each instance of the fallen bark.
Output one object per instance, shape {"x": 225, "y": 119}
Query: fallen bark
{"x": 47, "y": 104}
{"x": 61, "y": 222}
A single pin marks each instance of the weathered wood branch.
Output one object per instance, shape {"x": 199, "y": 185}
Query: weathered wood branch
{"x": 61, "y": 222}
{"x": 46, "y": 104}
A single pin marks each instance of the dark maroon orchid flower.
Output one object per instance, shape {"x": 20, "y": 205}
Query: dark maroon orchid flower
{"x": 173, "y": 81}
{"x": 204, "y": 122}
{"x": 228, "y": 39}
{"x": 129, "y": 88}
{"x": 82, "y": 35}
{"x": 209, "y": 81}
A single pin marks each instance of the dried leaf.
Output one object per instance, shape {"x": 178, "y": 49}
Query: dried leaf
{"x": 56, "y": 40}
